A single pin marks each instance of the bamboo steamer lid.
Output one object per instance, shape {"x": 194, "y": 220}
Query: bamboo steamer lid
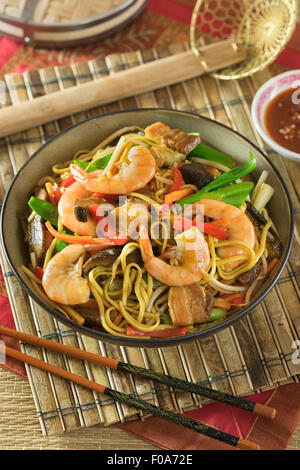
{"x": 65, "y": 23}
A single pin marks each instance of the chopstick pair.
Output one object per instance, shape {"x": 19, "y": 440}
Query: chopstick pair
{"x": 257, "y": 408}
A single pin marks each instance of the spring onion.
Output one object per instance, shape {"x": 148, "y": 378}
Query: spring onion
{"x": 234, "y": 195}
{"x": 263, "y": 196}
{"x": 210, "y": 154}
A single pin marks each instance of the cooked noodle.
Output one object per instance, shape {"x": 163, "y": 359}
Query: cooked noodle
{"x": 123, "y": 293}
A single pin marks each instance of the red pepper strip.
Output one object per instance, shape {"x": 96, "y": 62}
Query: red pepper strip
{"x": 177, "y": 180}
{"x": 56, "y": 194}
{"x": 238, "y": 300}
{"x": 160, "y": 333}
{"x": 93, "y": 210}
{"x": 215, "y": 231}
{"x": 39, "y": 272}
{"x": 67, "y": 181}
{"x": 180, "y": 163}
{"x": 210, "y": 229}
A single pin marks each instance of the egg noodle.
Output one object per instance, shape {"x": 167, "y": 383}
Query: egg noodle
{"x": 123, "y": 293}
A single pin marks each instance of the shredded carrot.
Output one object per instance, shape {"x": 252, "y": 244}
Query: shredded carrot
{"x": 271, "y": 265}
{"x": 177, "y": 195}
{"x": 84, "y": 240}
{"x": 220, "y": 303}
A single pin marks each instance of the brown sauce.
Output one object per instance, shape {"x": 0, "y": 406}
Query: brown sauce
{"x": 282, "y": 119}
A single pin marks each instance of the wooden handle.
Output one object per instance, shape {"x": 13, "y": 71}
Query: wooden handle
{"x": 264, "y": 411}
{"x": 59, "y": 348}
{"x": 147, "y": 77}
{"x": 33, "y": 361}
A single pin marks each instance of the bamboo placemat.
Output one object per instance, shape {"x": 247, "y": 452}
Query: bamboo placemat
{"x": 253, "y": 355}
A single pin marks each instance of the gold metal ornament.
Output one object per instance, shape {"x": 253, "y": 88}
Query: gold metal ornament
{"x": 263, "y": 26}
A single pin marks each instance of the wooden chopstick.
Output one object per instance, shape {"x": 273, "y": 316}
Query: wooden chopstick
{"x": 135, "y": 402}
{"x": 174, "y": 382}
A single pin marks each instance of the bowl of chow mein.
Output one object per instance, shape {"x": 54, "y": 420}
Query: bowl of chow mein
{"x": 147, "y": 228}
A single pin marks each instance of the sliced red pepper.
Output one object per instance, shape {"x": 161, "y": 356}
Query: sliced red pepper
{"x": 215, "y": 231}
{"x": 56, "y": 195}
{"x": 206, "y": 227}
{"x": 177, "y": 180}
{"x": 180, "y": 163}
{"x": 68, "y": 181}
{"x": 159, "y": 333}
{"x": 39, "y": 272}
{"x": 93, "y": 210}
{"x": 238, "y": 300}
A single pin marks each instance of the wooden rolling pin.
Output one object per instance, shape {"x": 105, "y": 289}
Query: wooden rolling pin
{"x": 150, "y": 76}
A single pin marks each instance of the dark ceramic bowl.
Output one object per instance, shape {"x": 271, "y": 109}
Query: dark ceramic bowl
{"x": 87, "y": 135}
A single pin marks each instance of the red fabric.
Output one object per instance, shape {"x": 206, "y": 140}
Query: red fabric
{"x": 166, "y": 21}
{"x": 274, "y": 435}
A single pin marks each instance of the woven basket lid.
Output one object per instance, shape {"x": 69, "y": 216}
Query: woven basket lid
{"x": 63, "y": 23}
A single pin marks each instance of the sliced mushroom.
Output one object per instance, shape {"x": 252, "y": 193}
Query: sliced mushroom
{"x": 194, "y": 173}
{"x": 250, "y": 275}
{"x": 189, "y": 305}
{"x": 108, "y": 257}
{"x": 38, "y": 237}
{"x": 273, "y": 246}
{"x": 81, "y": 208}
{"x": 257, "y": 218}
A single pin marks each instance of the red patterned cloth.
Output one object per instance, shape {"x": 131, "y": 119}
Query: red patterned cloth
{"x": 166, "y": 22}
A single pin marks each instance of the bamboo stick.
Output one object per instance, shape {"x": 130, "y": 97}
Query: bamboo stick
{"x": 130, "y": 82}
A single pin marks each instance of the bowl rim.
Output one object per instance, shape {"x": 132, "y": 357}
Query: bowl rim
{"x": 152, "y": 342}
{"x": 254, "y": 113}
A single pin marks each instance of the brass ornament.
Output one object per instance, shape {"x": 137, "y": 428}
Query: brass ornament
{"x": 263, "y": 26}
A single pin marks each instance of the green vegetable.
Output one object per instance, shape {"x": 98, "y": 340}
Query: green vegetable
{"x": 238, "y": 194}
{"x": 48, "y": 212}
{"x": 208, "y": 153}
{"x": 234, "y": 195}
{"x": 98, "y": 164}
{"x": 44, "y": 209}
{"x": 165, "y": 319}
{"x": 232, "y": 175}
{"x": 217, "y": 314}
{"x": 60, "y": 245}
